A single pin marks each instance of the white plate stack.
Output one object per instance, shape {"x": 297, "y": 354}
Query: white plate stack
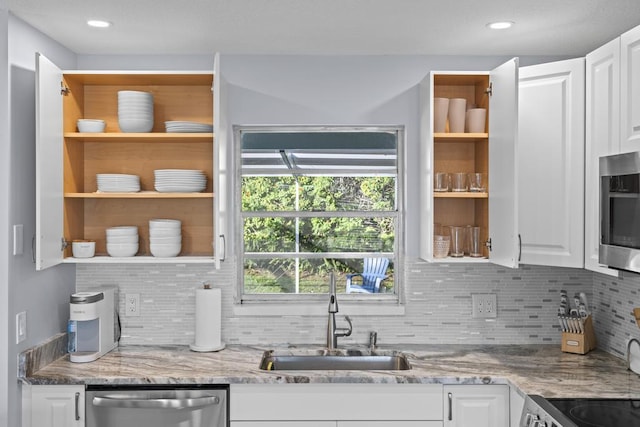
{"x": 179, "y": 180}
{"x": 135, "y": 111}
{"x": 187, "y": 127}
{"x": 118, "y": 183}
{"x": 165, "y": 237}
{"x": 122, "y": 241}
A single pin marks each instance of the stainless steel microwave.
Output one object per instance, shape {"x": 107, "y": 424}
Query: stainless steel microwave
{"x": 620, "y": 211}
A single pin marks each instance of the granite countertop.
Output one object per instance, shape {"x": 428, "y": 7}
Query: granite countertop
{"x": 534, "y": 369}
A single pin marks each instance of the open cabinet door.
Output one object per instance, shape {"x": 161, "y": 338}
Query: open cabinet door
{"x": 503, "y": 132}
{"x": 49, "y": 177}
{"x": 221, "y": 164}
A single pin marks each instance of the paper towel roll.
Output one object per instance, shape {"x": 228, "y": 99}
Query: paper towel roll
{"x": 208, "y": 320}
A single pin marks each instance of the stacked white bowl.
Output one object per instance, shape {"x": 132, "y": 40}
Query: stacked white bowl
{"x": 122, "y": 241}
{"x": 179, "y": 180}
{"x": 135, "y": 111}
{"x": 118, "y": 183}
{"x": 165, "y": 237}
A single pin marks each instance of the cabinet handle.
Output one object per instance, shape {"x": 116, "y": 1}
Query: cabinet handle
{"x": 450, "y": 396}
{"x": 224, "y": 248}
{"x": 77, "y": 406}
{"x": 519, "y": 247}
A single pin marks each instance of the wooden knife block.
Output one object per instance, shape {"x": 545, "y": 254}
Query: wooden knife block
{"x": 580, "y": 343}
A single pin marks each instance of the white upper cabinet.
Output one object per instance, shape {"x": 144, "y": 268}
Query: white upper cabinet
{"x": 69, "y": 205}
{"x": 491, "y": 152}
{"x": 602, "y": 137}
{"x": 551, "y": 163}
{"x": 630, "y": 90}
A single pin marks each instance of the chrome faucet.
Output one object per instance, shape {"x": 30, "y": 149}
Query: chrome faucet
{"x": 332, "y": 332}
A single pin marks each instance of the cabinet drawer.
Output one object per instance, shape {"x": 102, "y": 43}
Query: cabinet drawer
{"x": 336, "y": 402}
{"x": 283, "y": 424}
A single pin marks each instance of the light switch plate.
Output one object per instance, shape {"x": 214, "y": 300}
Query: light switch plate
{"x": 18, "y": 239}
{"x": 21, "y": 327}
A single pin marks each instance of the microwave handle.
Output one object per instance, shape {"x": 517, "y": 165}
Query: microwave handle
{"x": 129, "y": 402}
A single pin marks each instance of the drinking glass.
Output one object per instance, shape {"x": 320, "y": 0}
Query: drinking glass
{"x": 457, "y": 242}
{"x": 459, "y": 182}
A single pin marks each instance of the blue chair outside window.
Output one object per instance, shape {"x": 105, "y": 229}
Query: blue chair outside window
{"x": 373, "y": 273}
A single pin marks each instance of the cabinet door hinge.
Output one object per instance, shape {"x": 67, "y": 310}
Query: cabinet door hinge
{"x": 64, "y": 244}
{"x": 64, "y": 90}
{"x": 489, "y": 90}
{"x": 488, "y": 244}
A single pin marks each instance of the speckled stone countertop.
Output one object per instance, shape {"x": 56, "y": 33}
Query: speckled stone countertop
{"x": 534, "y": 369}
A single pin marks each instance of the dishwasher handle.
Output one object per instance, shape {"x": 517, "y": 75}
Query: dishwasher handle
{"x": 129, "y": 402}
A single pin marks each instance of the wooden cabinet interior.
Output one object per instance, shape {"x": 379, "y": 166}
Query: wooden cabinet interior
{"x": 462, "y": 152}
{"x": 183, "y": 97}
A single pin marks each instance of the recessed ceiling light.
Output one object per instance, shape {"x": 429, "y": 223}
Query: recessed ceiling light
{"x": 98, "y": 23}
{"x": 501, "y": 25}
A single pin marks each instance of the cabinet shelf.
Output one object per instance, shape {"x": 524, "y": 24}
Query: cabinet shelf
{"x": 140, "y": 195}
{"x": 460, "y": 195}
{"x": 141, "y": 259}
{"x": 459, "y": 136}
{"x": 139, "y": 137}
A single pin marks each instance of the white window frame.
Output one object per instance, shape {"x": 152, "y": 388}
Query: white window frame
{"x": 279, "y": 304}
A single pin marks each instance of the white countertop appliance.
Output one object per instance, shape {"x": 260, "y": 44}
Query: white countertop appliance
{"x": 93, "y": 325}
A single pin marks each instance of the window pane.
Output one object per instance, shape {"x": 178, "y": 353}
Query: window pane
{"x": 347, "y": 234}
{"x": 269, "y": 235}
{"x": 334, "y": 234}
{"x": 318, "y": 193}
{"x": 278, "y": 276}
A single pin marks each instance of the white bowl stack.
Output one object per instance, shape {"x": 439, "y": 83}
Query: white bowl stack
{"x": 165, "y": 237}
{"x": 179, "y": 180}
{"x": 118, "y": 183}
{"x": 122, "y": 241}
{"x": 135, "y": 111}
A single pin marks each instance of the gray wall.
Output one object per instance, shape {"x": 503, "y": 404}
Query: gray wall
{"x": 5, "y": 160}
{"x": 43, "y": 295}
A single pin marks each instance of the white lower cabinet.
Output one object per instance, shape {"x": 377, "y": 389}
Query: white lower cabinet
{"x": 476, "y": 406}
{"x": 336, "y": 405}
{"x": 56, "y": 406}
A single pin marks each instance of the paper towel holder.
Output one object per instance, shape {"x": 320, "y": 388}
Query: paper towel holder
{"x": 206, "y": 287}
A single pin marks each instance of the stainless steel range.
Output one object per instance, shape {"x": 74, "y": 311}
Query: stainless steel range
{"x": 541, "y": 412}
{"x": 538, "y": 412}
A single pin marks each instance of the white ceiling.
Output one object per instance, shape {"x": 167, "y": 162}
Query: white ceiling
{"x": 453, "y": 27}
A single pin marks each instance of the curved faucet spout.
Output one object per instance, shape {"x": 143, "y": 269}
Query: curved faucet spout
{"x": 332, "y": 331}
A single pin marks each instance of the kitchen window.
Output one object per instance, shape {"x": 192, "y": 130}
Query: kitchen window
{"x": 317, "y": 200}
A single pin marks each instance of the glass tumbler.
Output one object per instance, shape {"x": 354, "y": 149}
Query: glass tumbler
{"x": 459, "y": 181}
{"x": 475, "y": 246}
{"x": 477, "y": 182}
{"x": 457, "y": 242}
{"x": 441, "y": 182}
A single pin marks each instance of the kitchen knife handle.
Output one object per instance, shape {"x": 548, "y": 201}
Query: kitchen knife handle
{"x": 450, "y": 396}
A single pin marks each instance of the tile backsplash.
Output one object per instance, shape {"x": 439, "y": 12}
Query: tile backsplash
{"x": 614, "y": 300}
{"x": 438, "y": 305}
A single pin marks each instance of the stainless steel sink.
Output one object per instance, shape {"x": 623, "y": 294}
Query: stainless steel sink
{"x": 330, "y": 362}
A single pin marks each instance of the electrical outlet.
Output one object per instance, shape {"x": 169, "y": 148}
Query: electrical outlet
{"x": 485, "y": 306}
{"x": 21, "y": 327}
{"x": 132, "y": 304}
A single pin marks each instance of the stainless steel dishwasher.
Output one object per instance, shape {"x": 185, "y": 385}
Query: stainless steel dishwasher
{"x": 157, "y": 406}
